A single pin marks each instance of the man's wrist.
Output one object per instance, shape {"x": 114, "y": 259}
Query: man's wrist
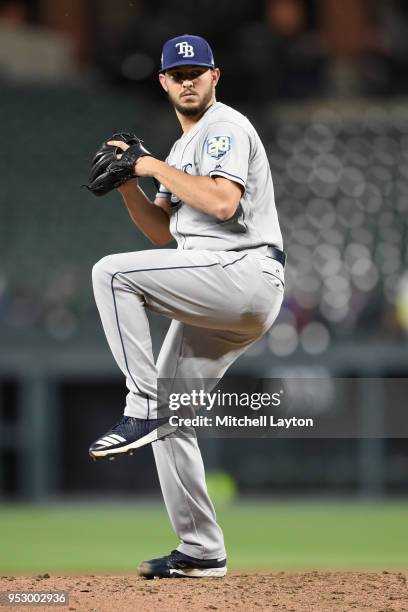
{"x": 147, "y": 166}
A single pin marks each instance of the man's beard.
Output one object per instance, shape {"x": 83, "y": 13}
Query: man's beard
{"x": 195, "y": 109}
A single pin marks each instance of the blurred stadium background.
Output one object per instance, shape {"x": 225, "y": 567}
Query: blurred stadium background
{"x": 326, "y": 85}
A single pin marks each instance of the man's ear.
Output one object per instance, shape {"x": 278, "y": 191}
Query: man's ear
{"x": 163, "y": 82}
{"x": 216, "y": 73}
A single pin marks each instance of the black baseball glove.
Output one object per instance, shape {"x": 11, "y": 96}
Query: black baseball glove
{"x": 107, "y": 171}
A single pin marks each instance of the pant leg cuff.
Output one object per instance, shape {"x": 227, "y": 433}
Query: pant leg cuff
{"x": 198, "y": 552}
{"x": 141, "y": 408}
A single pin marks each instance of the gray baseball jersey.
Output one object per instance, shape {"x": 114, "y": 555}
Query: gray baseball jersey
{"x": 224, "y": 143}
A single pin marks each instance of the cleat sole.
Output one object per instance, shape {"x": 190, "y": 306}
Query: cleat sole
{"x": 153, "y": 436}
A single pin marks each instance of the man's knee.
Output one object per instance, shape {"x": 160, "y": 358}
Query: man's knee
{"x": 104, "y": 269}
{"x": 117, "y": 265}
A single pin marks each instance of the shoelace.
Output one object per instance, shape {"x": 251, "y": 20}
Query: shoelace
{"x": 123, "y": 421}
{"x": 175, "y": 554}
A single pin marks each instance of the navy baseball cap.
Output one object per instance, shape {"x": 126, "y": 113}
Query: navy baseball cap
{"x": 186, "y": 50}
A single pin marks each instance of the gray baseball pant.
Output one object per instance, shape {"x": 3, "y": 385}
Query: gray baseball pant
{"x": 220, "y": 302}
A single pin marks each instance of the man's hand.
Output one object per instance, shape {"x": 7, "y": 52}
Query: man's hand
{"x": 119, "y": 144}
{"x": 127, "y": 187}
{"x": 110, "y": 170}
{"x": 143, "y": 166}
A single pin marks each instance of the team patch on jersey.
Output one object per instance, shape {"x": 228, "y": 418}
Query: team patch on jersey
{"x": 218, "y": 146}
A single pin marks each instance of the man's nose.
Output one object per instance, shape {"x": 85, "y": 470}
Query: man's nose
{"x": 188, "y": 83}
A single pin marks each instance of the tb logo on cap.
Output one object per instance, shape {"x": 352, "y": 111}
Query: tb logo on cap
{"x": 185, "y": 49}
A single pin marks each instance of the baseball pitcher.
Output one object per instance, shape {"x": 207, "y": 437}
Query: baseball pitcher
{"x": 222, "y": 287}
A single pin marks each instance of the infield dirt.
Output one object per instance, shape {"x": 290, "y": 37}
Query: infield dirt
{"x": 315, "y": 591}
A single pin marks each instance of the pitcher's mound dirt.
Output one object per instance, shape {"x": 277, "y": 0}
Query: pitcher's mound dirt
{"x": 249, "y": 591}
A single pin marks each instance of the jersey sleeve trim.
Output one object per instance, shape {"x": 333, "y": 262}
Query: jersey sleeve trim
{"x": 223, "y": 173}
